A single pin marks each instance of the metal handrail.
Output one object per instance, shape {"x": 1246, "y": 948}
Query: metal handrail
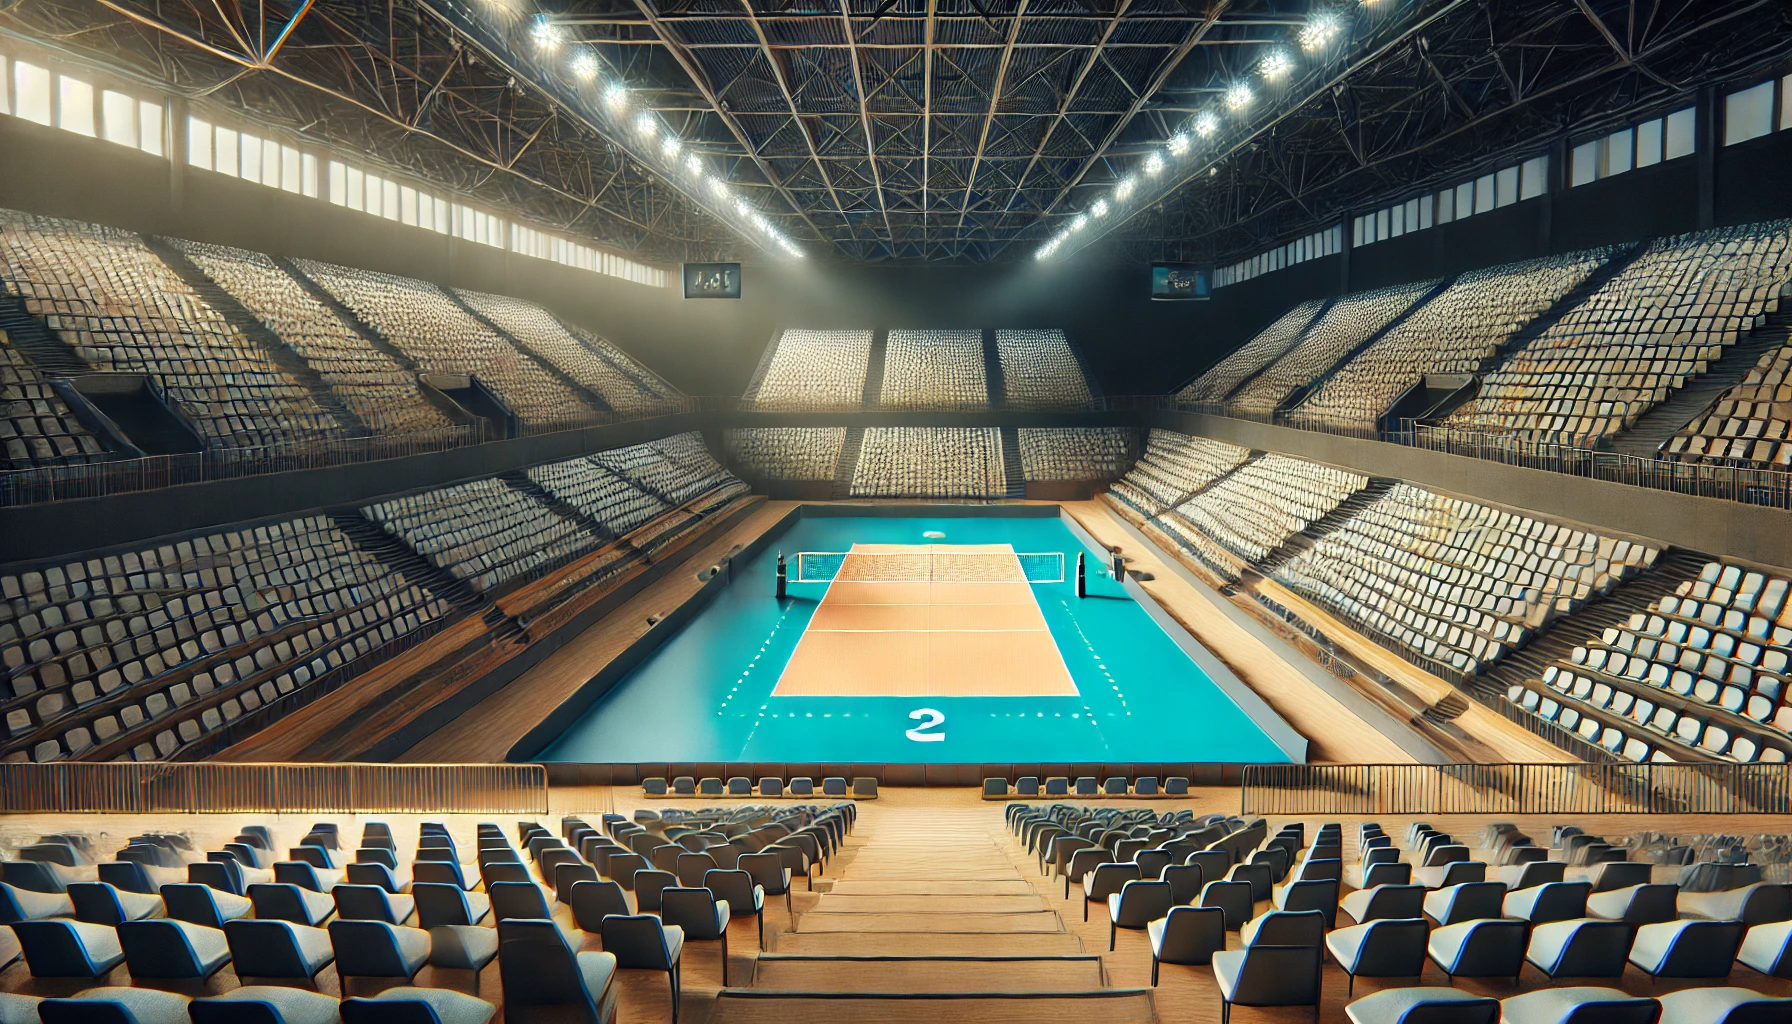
{"x": 1517, "y": 789}
{"x": 210, "y": 787}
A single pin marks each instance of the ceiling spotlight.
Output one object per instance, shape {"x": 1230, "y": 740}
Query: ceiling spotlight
{"x": 1178, "y": 144}
{"x": 616, "y": 95}
{"x": 669, "y": 148}
{"x": 1239, "y": 96}
{"x": 1100, "y": 209}
{"x": 693, "y": 165}
{"x": 1321, "y": 29}
{"x": 646, "y": 125}
{"x": 1209, "y": 122}
{"x": 716, "y": 186}
{"x": 584, "y": 65}
{"x": 546, "y": 34}
{"x": 1277, "y": 64}
{"x": 1124, "y": 189}
{"x": 741, "y": 206}
{"x": 1154, "y": 165}
{"x": 1077, "y": 224}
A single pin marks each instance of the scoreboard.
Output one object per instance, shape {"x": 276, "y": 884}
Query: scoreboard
{"x": 712, "y": 280}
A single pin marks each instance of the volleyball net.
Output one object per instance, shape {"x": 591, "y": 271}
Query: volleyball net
{"x": 928, "y": 567}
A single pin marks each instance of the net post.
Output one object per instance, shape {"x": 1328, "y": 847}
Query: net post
{"x": 1082, "y": 585}
{"x": 783, "y": 576}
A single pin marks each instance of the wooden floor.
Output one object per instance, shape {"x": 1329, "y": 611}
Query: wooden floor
{"x": 913, "y": 845}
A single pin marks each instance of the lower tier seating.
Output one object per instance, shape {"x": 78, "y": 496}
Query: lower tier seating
{"x": 1173, "y": 467}
{"x": 786, "y": 453}
{"x": 815, "y": 371}
{"x": 1252, "y": 511}
{"x": 930, "y": 462}
{"x": 37, "y": 428}
{"x": 1456, "y": 582}
{"x": 1076, "y": 453}
{"x": 1750, "y": 424}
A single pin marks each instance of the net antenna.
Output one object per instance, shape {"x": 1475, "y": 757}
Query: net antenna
{"x": 929, "y": 567}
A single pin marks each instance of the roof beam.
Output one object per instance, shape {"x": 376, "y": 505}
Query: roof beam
{"x": 995, "y": 100}
{"x": 858, "y": 81}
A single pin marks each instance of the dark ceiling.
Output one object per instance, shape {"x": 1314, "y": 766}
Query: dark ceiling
{"x": 943, "y": 130}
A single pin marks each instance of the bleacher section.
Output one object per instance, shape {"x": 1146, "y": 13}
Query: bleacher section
{"x": 1040, "y": 371}
{"x": 1749, "y": 423}
{"x": 1451, "y": 334}
{"x": 1455, "y": 582}
{"x": 1173, "y": 467}
{"x": 622, "y": 383}
{"x": 1269, "y": 345}
{"x": 813, "y": 371}
{"x": 121, "y": 309}
{"x": 139, "y": 652}
{"x": 1345, "y": 324}
{"x": 934, "y": 370}
{"x": 420, "y": 320}
{"x": 37, "y": 428}
{"x": 367, "y": 381}
{"x": 1701, "y": 674}
{"x": 785, "y": 453}
{"x": 1253, "y": 510}
{"x": 930, "y": 462}
{"x": 1660, "y": 321}
{"x": 1075, "y": 453}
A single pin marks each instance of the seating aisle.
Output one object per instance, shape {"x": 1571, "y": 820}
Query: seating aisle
{"x": 928, "y": 917}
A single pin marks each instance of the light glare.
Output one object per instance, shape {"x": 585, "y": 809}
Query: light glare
{"x": 1320, "y": 31}
{"x": 1178, "y": 144}
{"x": 646, "y": 125}
{"x": 584, "y": 66}
{"x": 1277, "y": 64}
{"x": 1239, "y": 96}
{"x": 1154, "y": 165}
{"x": 1207, "y": 123}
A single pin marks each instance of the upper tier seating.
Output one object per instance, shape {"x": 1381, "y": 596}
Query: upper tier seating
{"x": 36, "y": 426}
{"x": 930, "y": 462}
{"x": 934, "y": 370}
{"x": 1249, "y": 513}
{"x": 367, "y": 381}
{"x": 122, "y": 309}
{"x": 1451, "y": 334}
{"x": 1345, "y": 324}
{"x": 1666, "y": 317}
{"x": 1717, "y": 650}
{"x": 622, "y": 383}
{"x": 1749, "y": 423}
{"x": 420, "y": 320}
{"x": 816, "y": 371}
{"x": 1174, "y": 466}
{"x": 1454, "y": 581}
{"x": 484, "y": 531}
{"x": 609, "y": 499}
{"x": 1269, "y": 345}
{"x": 786, "y": 453}
{"x": 1039, "y": 371}
{"x": 145, "y": 651}
{"x": 1075, "y": 453}
{"x": 677, "y": 468}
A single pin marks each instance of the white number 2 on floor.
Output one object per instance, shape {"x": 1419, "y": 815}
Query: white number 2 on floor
{"x": 929, "y": 718}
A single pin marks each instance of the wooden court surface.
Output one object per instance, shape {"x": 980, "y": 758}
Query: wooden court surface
{"x": 876, "y": 634}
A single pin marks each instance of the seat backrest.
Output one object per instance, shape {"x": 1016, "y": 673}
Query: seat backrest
{"x": 1278, "y": 976}
{"x": 53, "y": 949}
{"x": 32, "y": 875}
{"x": 539, "y": 969}
{"x": 96, "y": 903}
{"x": 637, "y": 940}
{"x": 367, "y": 949}
{"x": 265, "y": 949}
{"x": 1106, "y": 879}
{"x": 766, "y": 869}
{"x": 299, "y": 873}
{"x": 594, "y": 901}
{"x": 279, "y": 901}
{"x": 357, "y": 1010}
{"x": 440, "y": 904}
{"x": 648, "y": 886}
{"x": 1289, "y": 928}
{"x": 224, "y": 875}
{"x": 518, "y": 901}
{"x": 734, "y": 886}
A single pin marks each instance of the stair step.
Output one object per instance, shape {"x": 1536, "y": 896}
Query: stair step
{"x": 1516, "y": 342}
{"x": 849, "y": 462}
{"x": 547, "y": 366}
{"x": 52, "y": 356}
{"x": 748, "y": 1006}
{"x": 1347, "y": 509}
{"x": 874, "y": 369}
{"x": 992, "y": 371}
{"x": 1011, "y": 463}
{"x": 778, "y": 972}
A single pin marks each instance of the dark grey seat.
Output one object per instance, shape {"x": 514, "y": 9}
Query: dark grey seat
{"x": 172, "y": 950}
{"x": 1382, "y": 948}
{"x": 1687, "y": 949}
{"x": 1579, "y": 1006}
{"x": 408, "y": 1005}
{"x": 547, "y": 982}
{"x": 1582, "y": 948}
{"x": 1724, "y": 1006}
{"x": 643, "y": 942}
{"x": 1267, "y": 976}
{"x": 1136, "y": 905}
{"x": 1480, "y": 948}
{"x": 1423, "y": 1006}
{"x": 1186, "y": 935}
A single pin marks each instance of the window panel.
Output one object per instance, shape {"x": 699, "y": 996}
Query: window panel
{"x": 224, "y": 143}
{"x": 118, "y": 118}
{"x": 1505, "y": 187}
{"x": 31, "y": 92}
{"x": 1356, "y": 232}
{"x": 1584, "y": 167}
{"x": 1412, "y": 215}
{"x": 1532, "y": 177}
{"x": 1424, "y": 207}
{"x": 270, "y": 163}
{"x": 199, "y": 143}
{"x": 1619, "y": 152}
{"x": 1484, "y": 193}
{"x": 1446, "y": 205}
{"x": 75, "y": 110}
{"x": 308, "y": 175}
{"x": 1681, "y": 139}
{"x": 357, "y": 184}
{"x": 1748, "y": 114}
{"x": 1785, "y": 100}
{"x": 250, "y": 169}
{"x": 1381, "y": 225}
{"x": 1397, "y": 220}
{"x": 407, "y": 201}
{"x": 442, "y": 216}
{"x": 149, "y": 132}
{"x": 5, "y": 86}
{"x": 1648, "y": 143}
{"x": 1465, "y": 200}
{"x": 290, "y": 174}
{"x": 338, "y": 183}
